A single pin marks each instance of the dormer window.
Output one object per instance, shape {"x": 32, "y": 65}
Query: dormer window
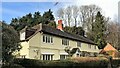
{"x": 22, "y": 35}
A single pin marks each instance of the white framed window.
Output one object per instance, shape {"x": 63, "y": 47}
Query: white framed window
{"x": 79, "y": 44}
{"x": 89, "y": 46}
{"x": 23, "y": 56}
{"x": 47, "y": 39}
{"x": 22, "y": 36}
{"x": 65, "y": 42}
{"x": 62, "y": 57}
{"x": 95, "y": 47}
{"x": 47, "y": 57}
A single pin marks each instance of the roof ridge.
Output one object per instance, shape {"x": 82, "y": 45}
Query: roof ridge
{"x": 51, "y": 27}
{"x": 57, "y": 32}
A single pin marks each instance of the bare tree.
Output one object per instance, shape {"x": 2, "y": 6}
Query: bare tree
{"x": 118, "y": 32}
{"x": 75, "y": 13}
{"x": 61, "y": 14}
{"x": 68, "y": 13}
{"x": 112, "y": 36}
{"x": 83, "y": 15}
{"x": 87, "y": 15}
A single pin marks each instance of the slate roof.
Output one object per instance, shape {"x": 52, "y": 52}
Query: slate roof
{"x": 29, "y": 32}
{"x": 56, "y": 32}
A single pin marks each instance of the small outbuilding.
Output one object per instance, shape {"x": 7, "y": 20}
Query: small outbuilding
{"x": 109, "y": 50}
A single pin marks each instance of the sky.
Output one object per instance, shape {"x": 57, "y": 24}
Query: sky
{"x": 13, "y": 9}
{"x": 18, "y": 9}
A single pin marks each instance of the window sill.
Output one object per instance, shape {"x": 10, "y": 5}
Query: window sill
{"x": 48, "y": 43}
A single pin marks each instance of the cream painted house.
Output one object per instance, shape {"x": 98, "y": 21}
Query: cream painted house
{"x": 47, "y": 43}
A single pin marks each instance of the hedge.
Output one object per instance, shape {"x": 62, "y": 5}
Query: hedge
{"x": 115, "y": 63}
{"x": 30, "y": 63}
{"x": 12, "y": 65}
{"x": 81, "y": 62}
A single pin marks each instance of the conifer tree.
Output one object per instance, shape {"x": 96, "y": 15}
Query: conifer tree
{"x": 99, "y": 29}
{"x": 48, "y": 16}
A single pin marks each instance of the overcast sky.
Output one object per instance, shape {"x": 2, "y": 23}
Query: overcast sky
{"x": 12, "y": 8}
{"x": 109, "y": 7}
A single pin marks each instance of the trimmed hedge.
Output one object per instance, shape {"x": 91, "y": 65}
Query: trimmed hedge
{"x": 91, "y": 62}
{"x": 30, "y": 63}
{"x": 68, "y": 63}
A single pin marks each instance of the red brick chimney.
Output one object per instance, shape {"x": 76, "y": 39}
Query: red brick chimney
{"x": 60, "y": 25}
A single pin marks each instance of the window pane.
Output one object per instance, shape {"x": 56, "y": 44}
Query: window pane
{"x": 89, "y": 45}
{"x": 43, "y": 57}
{"x": 51, "y": 39}
{"x": 48, "y": 57}
{"x": 62, "y": 57}
{"x": 48, "y": 39}
{"x": 43, "y": 38}
{"x": 79, "y": 44}
{"x": 67, "y": 42}
{"x": 51, "y": 57}
{"x": 63, "y": 42}
{"x": 95, "y": 47}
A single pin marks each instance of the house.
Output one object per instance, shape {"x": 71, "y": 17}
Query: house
{"x": 109, "y": 50}
{"x": 46, "y": 43}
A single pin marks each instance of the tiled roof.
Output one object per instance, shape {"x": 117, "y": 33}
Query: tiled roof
{"x": 108, "y": 47}
{"x": 57, "y": 32}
